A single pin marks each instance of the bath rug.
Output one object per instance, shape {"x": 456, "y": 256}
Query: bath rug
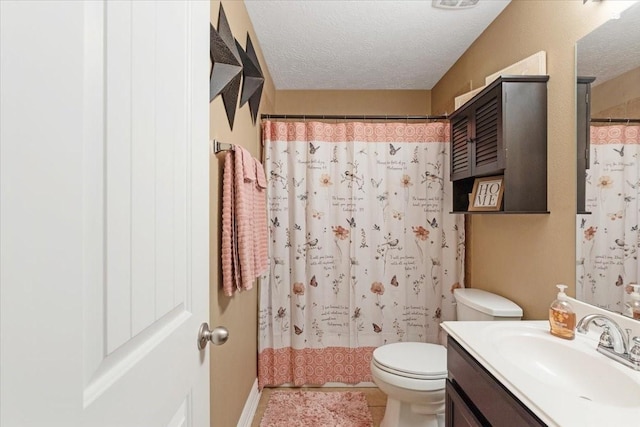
{"x": 317, "y": 409}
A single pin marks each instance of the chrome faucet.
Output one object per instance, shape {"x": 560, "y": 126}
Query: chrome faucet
{"x": 617, "y": 336}
{"x": 614, "y": 342}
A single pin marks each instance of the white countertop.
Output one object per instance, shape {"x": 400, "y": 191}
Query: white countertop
{"x": 553, "y": 404}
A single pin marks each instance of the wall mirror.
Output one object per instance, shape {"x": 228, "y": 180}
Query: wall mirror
{"x": 608, "y": 134}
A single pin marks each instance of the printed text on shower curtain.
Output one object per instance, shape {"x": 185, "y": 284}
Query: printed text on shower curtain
{"x": 363, "y": 250}
{"x": 608, "y": 239}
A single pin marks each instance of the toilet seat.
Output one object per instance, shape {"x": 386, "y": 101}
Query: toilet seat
{"x": 414, "y": 360}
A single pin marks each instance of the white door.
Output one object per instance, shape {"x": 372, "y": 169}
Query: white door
{"x": 104, "y": 222}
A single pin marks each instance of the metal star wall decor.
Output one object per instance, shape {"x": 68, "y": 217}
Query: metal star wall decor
{"x": 227, "y": 68}
{"x": 253, "y": 80}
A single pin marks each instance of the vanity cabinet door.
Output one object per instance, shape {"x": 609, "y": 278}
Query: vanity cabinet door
{"x": 483, "y": 394}
{"x": 458, "y": 413}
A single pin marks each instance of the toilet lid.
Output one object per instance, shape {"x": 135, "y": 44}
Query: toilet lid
{"x": 413, "y": 359}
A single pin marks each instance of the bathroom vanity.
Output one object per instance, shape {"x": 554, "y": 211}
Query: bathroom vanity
{"x": 517, "y": 374}
{"x": 474, "y": 397}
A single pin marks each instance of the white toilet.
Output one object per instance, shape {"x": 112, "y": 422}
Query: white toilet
{"x": 413, "y": 374}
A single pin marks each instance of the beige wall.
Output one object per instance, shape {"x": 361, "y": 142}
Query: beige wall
{"x": 523, "y": 256}
{"x": 357, "y": 102}
{"x": 233, "y": 365}
{"x": 520, "y": 256}
{"x": 617, "y": 98}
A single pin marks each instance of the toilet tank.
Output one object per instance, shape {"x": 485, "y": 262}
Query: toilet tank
{"x": 476, "y": 304}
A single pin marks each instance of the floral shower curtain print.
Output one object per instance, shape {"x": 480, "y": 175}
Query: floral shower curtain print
{"x": 363, "y": 249}
{"x": 608, "y": 239}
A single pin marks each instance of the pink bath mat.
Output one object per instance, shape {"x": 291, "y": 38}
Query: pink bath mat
{"x": 316, "y": 408}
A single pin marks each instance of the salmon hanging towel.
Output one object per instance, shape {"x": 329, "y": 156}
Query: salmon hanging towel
{"x": 244, "y": 221}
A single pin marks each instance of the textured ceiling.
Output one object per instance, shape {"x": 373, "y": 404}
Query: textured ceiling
{"x": 611, "y": 49}
{"x": 357, "y": 44}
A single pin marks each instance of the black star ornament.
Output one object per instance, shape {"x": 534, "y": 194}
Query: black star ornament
{"x": 253, "y": 80}
{"x": 227, "y": 68}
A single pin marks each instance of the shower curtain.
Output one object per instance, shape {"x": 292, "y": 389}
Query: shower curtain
{"x": 363, "y": 250}
{"x": 608, "y": 238}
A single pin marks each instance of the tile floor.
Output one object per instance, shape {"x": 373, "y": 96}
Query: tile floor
{"x": 376, "y": 399}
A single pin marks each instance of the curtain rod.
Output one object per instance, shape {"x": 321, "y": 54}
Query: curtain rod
{"x": 348, "y": 117}
{"x": 610, "y": 120}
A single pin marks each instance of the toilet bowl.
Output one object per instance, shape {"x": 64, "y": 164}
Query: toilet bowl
{"x": 413, "y": 375}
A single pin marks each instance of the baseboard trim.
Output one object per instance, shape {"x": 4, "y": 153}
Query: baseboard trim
{"x": 250, "y": 406}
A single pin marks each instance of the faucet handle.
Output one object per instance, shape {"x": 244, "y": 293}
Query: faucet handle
{"x": 634, "y": 353}
{"x": 600, "y": 323}
{"x": 605, "y": 338}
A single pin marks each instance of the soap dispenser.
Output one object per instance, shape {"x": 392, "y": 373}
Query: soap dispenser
{"x": 562, "y": 318}
{"x": 633, "y": 306}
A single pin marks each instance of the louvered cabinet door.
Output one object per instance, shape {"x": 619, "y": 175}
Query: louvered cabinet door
{"x": 487, "y": 148}
{"x": 461, "y": 153}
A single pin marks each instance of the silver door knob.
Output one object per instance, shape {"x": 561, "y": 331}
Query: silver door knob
{"x": 217, "y": 336}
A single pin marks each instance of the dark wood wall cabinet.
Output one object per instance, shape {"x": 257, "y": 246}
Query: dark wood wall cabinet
{"x": 503, "y": 131}
{"x": 583, "y": 137}
{"x": 475, "y": 398}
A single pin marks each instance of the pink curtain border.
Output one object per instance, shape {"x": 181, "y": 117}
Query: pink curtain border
{"x": 356, "y": 131}
{"x": 311, "y": 366}
{"x": 615, "y": 134}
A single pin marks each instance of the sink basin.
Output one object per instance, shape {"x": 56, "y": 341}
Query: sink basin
{"x": 563, "y": 382}
{"x": 571, "y": 366}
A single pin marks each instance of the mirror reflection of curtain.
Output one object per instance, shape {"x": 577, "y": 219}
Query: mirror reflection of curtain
{"x": 363, "y": 249}
{"x": 608, "y": 239}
